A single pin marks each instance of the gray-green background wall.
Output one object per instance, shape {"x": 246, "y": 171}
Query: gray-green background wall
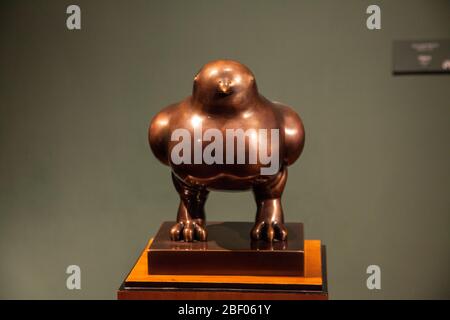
{"x": 79, "y": 185}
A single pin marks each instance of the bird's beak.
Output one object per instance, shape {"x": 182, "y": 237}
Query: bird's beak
{"x": 225, "y": 86}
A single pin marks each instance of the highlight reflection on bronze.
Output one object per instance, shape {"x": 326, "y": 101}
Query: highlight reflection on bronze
{"x": 225, "y": 96}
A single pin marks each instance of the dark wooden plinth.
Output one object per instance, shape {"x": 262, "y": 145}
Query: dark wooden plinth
{"x": 139, "y": 284}
{"x": 228, "y": 251}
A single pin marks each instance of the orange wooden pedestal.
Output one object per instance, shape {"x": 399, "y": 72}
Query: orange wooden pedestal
{"x": 140, "y": 285}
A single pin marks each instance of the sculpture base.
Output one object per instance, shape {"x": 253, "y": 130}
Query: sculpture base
{"x": 228, "y": 251}
{"x": 139, "y": 284}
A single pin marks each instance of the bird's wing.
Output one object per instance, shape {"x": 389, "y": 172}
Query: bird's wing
{"x": 159, "y": 133}
{"x": 294, "y": 133}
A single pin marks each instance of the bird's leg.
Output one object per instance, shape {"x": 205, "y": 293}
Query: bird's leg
{"x": 190, "y": 223}
{"x": 269, "y": 222}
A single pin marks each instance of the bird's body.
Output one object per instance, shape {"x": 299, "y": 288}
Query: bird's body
{"x": 226, "y": 102}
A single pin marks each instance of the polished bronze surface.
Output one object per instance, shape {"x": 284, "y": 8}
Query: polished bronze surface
{"x": 225, "y": 96}
{"x": 228, "y": 251}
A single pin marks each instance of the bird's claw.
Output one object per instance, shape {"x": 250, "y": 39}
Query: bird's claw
{"x": 269, "y": 231}
{"x": 188, "y": 231}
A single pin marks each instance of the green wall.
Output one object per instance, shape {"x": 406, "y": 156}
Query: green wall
{"x": 79, "y": 185}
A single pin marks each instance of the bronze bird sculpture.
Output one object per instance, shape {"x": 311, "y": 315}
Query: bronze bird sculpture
{"x": 218, "y": 139}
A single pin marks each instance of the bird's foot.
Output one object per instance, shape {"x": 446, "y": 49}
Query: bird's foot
{"x": 188, "y": 231}
{"x": 269, "y": 231}
{"x": 269, "y": 246}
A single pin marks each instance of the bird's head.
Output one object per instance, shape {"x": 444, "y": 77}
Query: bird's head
{"x": 224, "y": 86}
